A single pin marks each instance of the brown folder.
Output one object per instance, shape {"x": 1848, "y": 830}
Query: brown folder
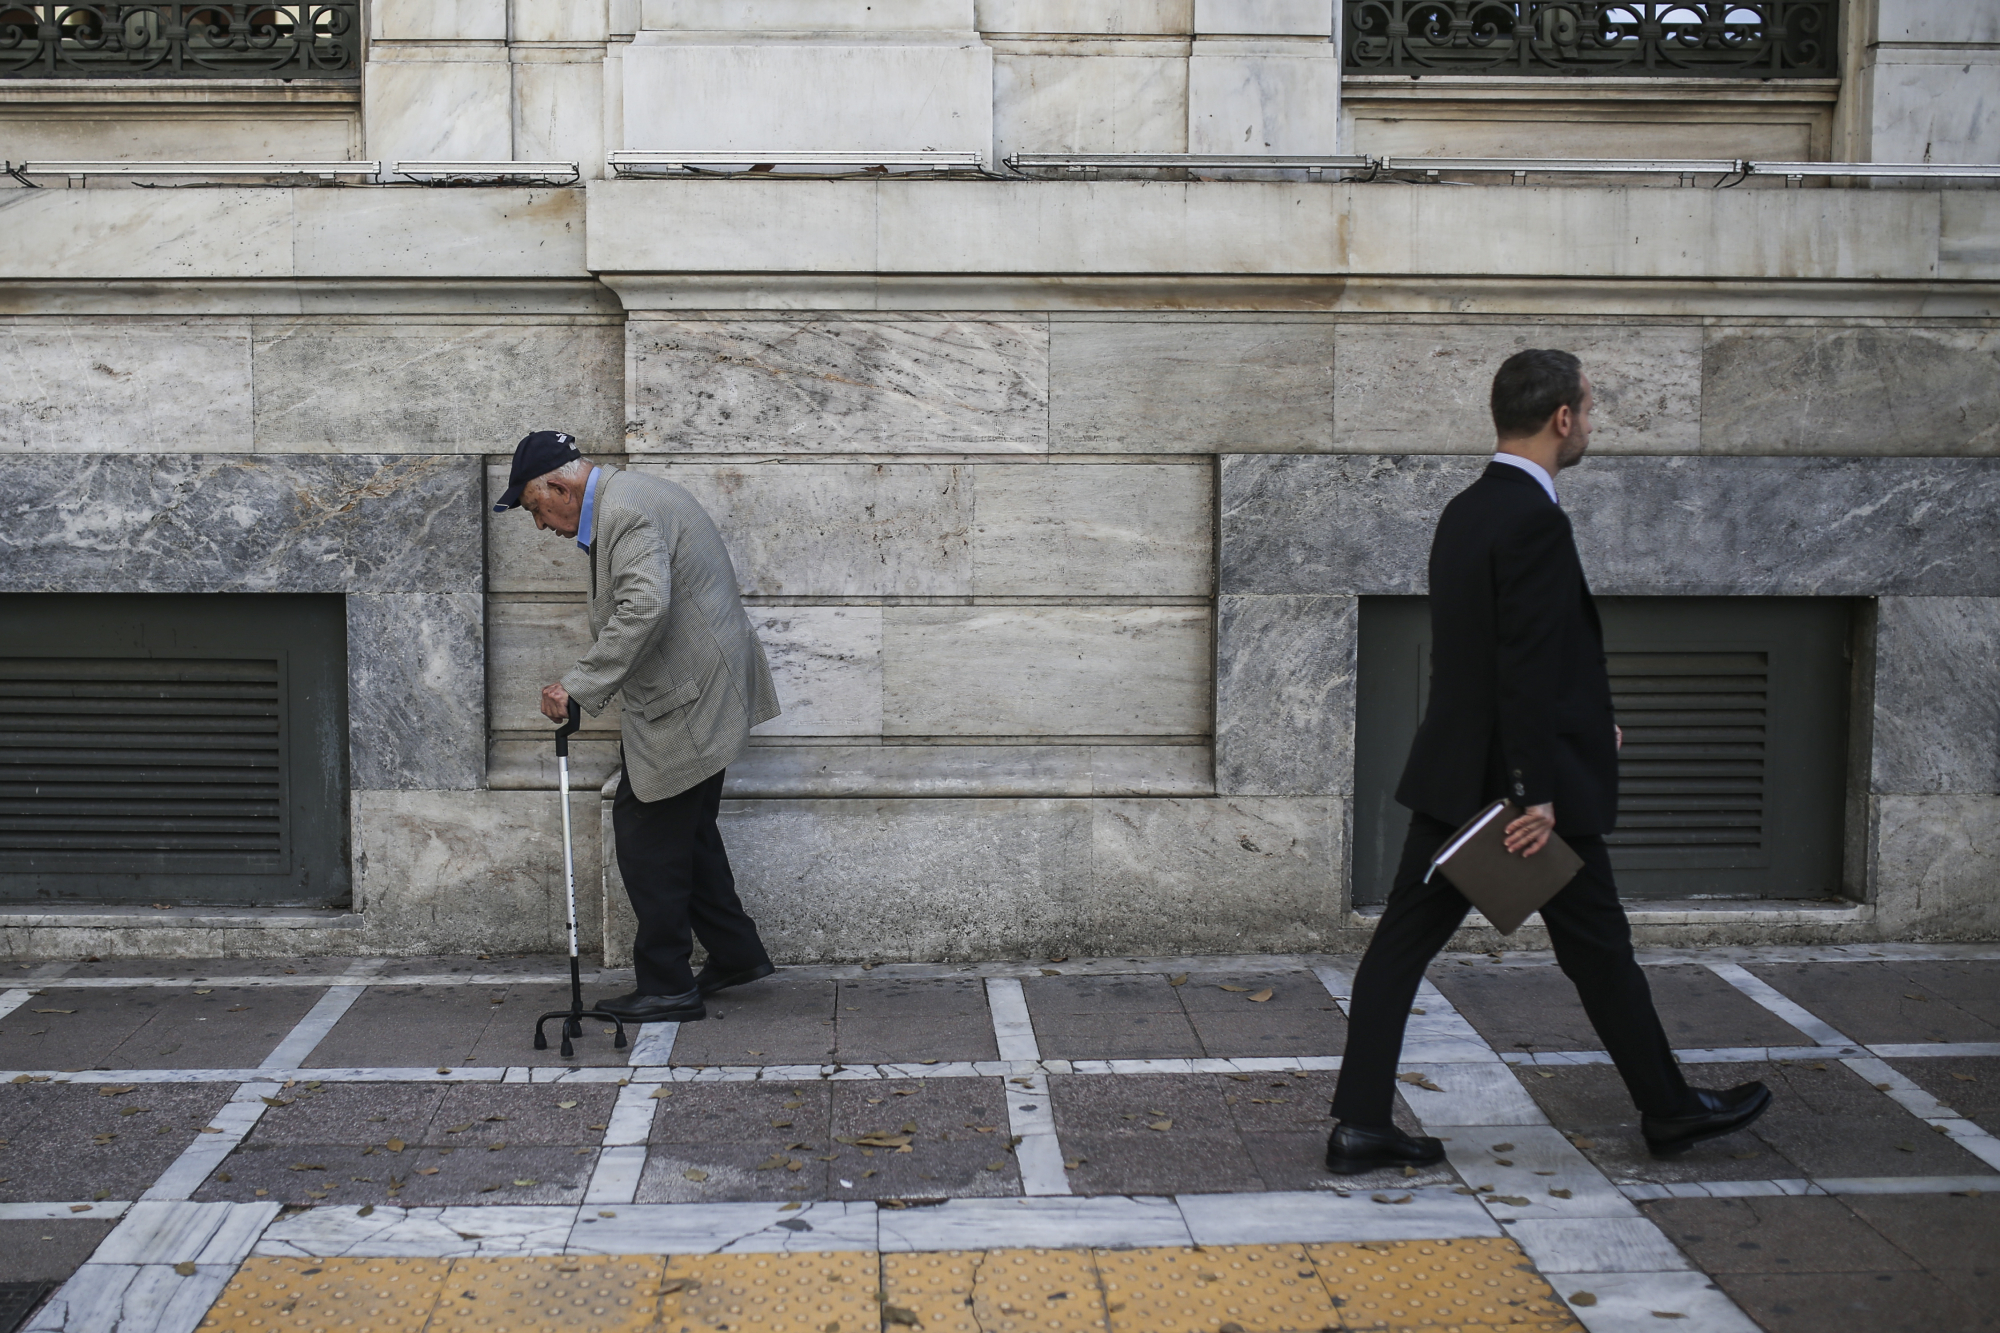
{"x": 1507, "y": 888}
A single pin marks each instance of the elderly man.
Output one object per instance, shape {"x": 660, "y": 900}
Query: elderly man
{"x": 673, "y": 640}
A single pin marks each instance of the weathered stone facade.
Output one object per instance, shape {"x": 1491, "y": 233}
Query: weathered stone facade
{"x": 1052, "y": 500}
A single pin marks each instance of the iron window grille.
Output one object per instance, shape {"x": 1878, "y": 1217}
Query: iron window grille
{"x": 1743, "y": 39}
{"x": 316, "y": 40}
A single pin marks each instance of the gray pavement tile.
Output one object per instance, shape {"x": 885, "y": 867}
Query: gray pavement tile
{"x": 1793, "y": 1235}
{"x": 535, "y": 1113}
{"x": 1291, "y": 991}
{"x": 1886, "y": 1002}
{"x": 1822, "y": 1122}
{"x": 729, "y": 1172}
{"x": 51, "y": 1134}
{"x": 508, "y": 1037}
{"x": 943, "y": 1110}
{"x": 1977, "y": 1292}
{"x": 1250, "y": 1035}
{"x": 1968, "y": 1085}
{"x": 865, "y": 1040}
{"x": 1195, "y": 1162}
{"x": 1941, "y": 1231}
{"x": 1127, "y": 1105}
{"x": 507, "y": 965}
{"x": 339, "y": 1173}
{"x": 43, "y": 1251}
{"x": 149, "y": 1027}
{"x": 1116, "y": 1036}
{"x": 905, "y": 997}
{"x": 1135, "y": 993}
{"x": 768, "y": 1115}
{"x": 194, "y": 969}
{"x": 1537, "y": 1009}
{"x": 1876, "y": 1302}
{"x": 791, "y": 1022}
{"x": 1971, "y": 985}
{"x": 412, "y": 1027}
{"x": 1266, "y": 1103}
{"x": 232, "y": 1027}
{"x": 357, "y": 1114}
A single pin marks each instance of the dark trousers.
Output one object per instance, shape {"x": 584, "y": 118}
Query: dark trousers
{"x": 677, "y": 875}
{"x": 1593, "y": 944}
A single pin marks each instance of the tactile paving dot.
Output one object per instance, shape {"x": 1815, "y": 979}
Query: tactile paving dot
{"x": 597, "y": 1293}
{"x": 314, "y": 1295}
{"x": 776, "y": 1293}
{"x": 1438, "y": 1285}
{"x": 996, "y": 1291}
{"x": 1256, "y": 1287}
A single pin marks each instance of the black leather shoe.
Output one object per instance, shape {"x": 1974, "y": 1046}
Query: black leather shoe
{"x": 637, "y": 1008}
{"x": 710, "y": 980}
{"x": 1721, "y": 1113}
{"x": 1350, "y": 1150}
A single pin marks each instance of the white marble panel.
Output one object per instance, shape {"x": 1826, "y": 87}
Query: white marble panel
{"x": 1432, "y": 1213}
{"x": 1118, "y": 17}
{"x": 174, "y": 1233}
{"x": 528, "y": 645}
{"x": 780, "y": 771}
{"x": 1131, "y": 530}
{"x": 1054, "y": 671}
{"x": 438, "y": 110}
{"x": 442, "y": 1233}
{"x": 838, "y": 529}
{"x": 1098, "y": 102}
{"x": 1112, "y": 1222}
{"x": 858, "y": 96}
{"x": 559, "y": 113}
{"x": 514, "y": 233}
{"x": 831, "y": 385}
{"x": 1425, "y": 388}
{"x": 118, "y": 385}
{"x": 1254, "y": 97}
{"x": 1626, "y": 1302}
{"x": 1597, "y": 1245}
{"x": 558, "y": 21}
{"x": 1262, "y": 18}
{"x": 1541, "y": 1160}
{"x": 124, "y": 1298}
{"x": 827, "y": 663}
{"x": 439, "y": 20}
{"x": 726, "y": 1228}
{"x": 1930, "y": 108}
{"x": 1937, "y": 862}
{"x": 1943, "y": 22}
{"x": 201, "y": 133}
{"x": 805, "y": 16}
{"x": 1469, "y": 1094}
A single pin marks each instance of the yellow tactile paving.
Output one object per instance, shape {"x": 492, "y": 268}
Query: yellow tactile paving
{"x": 1434, "y": 1286}
{"x": 590, "y": 1294}
{"x": 328, "y": 1296}
{"x": 1437, "y": 1285}
{"x": 995, "y": 1291}
{"x": 1257, "y": 1288}
{"x": 774, "y": 1293}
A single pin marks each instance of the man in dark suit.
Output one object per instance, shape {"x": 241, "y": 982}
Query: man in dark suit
{"x": 1520, "y": 707}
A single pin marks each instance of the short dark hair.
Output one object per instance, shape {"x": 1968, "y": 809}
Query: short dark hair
{"x": 1530, "y": 386}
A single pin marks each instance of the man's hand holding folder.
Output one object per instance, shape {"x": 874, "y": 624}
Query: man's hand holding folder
{"x": 1508, "y": 868}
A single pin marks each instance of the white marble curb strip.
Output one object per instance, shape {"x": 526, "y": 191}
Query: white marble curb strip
{"x": 1013, "y": 1029}
{"x": 654, "y": 1044}
{"x": 1899, "y": 1088}
{"x": 984, "y": 1224}
{"x": 1775, "y": 1001}
{"x": 1645, "y": 1302}
{"x": 725, "y": 1228}
{"x": 236, "y": 1119}
{"x": 128, "y": 1298}
{"x": 13, "y": 1000}
{"x": 1821, "y": 1185}
{"x": 418, "y": 1233}
{"x": 1032, "y": 1122}
{"x": 1430, "y": 1213}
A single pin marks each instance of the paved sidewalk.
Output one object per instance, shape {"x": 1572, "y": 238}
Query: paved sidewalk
{"x": 1128, "y": 1145}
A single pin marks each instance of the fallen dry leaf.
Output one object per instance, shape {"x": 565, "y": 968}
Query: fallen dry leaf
{"x": 79, "y": 1208}
{"x": 524, "y": 1184}
{"x": 366, "y": 1210}
{"x": 55, "y": 1011}
{"x": 185, "y": 1268}
{"x": 1261, "y": 996}
{"x": 1417, "y": 1080}
{"x": 695, "y": 1174}
{"x": 566, "y": 1106}
{"x": 1582, "y": 1298}
{"x": 1511, "y": 1200}
{"x": 1668, "y": 1314}
{"x": 1383, "y": 1198}
{"x": 395, "y": 1145}
{"x": 427, "y": 1170}
{"x": 1558, "y": 1194}
{"x": 896, "y": 1314}
{"x": 1161, "y": 1125}
{"x": 1178, "y": 979}
{"x": 1235, "y": 989}
{"x": 659, "y": 1093}
{"x": 459, "y": 1129}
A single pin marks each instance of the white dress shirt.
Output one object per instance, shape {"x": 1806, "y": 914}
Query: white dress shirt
{"x": 1533, "y": 469}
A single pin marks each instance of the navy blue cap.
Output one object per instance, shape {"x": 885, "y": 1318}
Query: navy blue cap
{"x": 537, "y": 455}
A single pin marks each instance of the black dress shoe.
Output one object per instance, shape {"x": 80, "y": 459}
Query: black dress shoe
{"x": 712, "y": 979}
{"x": 1721, "y": 1113}
{"x": 1350, "y": 1149}
{"x": 638, "y": 1008}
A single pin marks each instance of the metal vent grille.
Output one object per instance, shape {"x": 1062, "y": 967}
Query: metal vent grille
{"x": 114, "y": 764}
{"x": 1692, "y": 773}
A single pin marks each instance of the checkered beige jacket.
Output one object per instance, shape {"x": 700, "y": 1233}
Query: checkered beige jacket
{"x": 672, "y": 635}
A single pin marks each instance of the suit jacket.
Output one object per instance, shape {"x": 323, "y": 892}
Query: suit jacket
{"x": 1520, "y": 705}
{"x": 671, "y": 637}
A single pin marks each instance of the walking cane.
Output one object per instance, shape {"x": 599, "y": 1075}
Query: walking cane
{"x": 573, "y": 1016}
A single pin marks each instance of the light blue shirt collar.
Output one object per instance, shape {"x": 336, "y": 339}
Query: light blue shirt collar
{"x": 1527, "y": 465}
{"x": 583, "y": 524}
